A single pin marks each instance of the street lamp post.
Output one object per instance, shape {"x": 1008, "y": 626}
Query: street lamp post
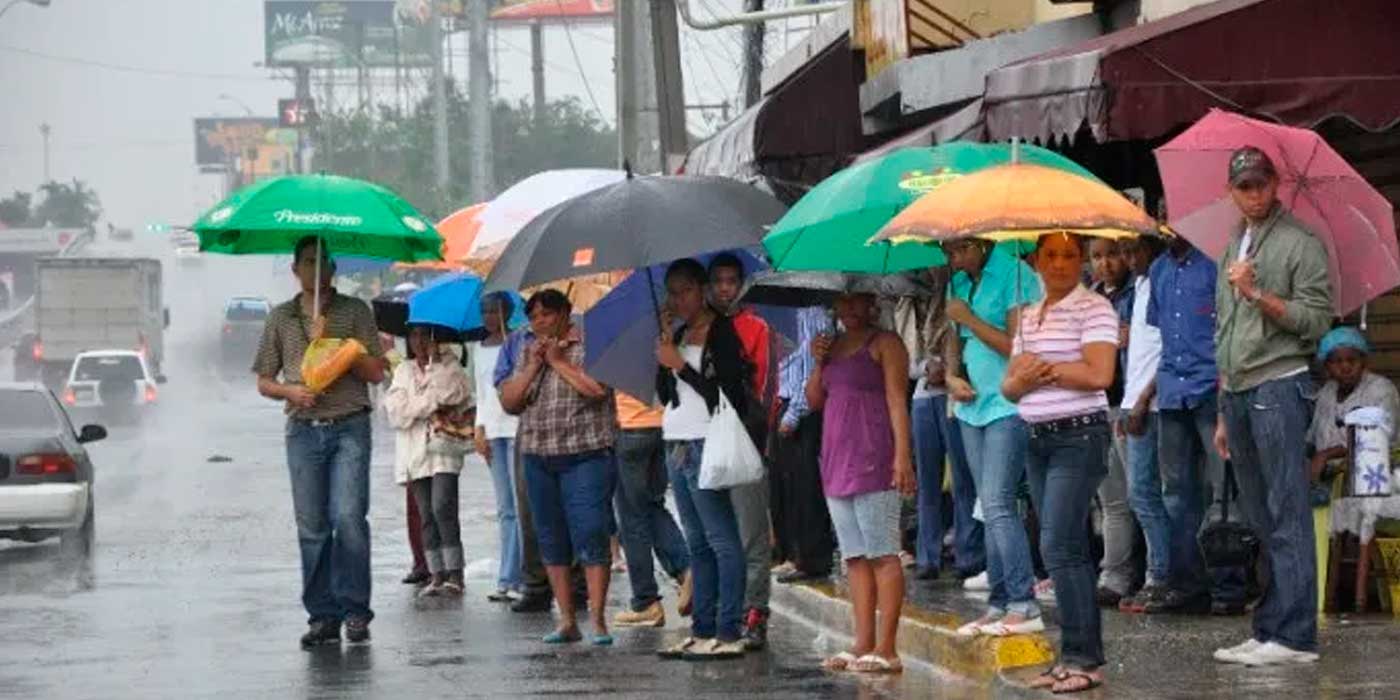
{"x": 45, "y": 130}
{"x": 12, "y": 3}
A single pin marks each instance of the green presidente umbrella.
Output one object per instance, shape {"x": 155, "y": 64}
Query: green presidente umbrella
{"x": 828, "y": 229}
{"x": 352, "y": 216}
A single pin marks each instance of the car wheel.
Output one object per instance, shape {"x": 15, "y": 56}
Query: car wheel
{"x": 77, "y": 543}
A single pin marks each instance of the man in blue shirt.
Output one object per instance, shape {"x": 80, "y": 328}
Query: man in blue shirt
{"x": 801, "y": 522}
{"x": 1182, "y": 306}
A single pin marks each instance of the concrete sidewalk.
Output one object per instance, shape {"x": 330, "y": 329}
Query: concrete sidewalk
{"x": 1148, "y": 656}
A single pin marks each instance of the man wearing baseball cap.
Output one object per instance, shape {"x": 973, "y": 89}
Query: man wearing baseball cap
{"x": 1274, "y": 304}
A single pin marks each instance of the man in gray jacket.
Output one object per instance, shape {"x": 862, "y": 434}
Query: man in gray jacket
{"x": 1274, "y": 304}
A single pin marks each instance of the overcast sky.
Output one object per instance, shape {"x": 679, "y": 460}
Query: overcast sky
{"x": 120, "y": 82}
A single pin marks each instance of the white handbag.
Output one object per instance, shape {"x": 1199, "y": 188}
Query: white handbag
{"x": 729, "y": 458}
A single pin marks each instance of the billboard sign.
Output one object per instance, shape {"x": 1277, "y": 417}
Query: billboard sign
{"x": 348, "y": 34}
{"x": 557, "y": 10}
{"x": 219, "y": 140}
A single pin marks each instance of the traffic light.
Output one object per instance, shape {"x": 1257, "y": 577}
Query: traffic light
{"x": 293, "y": 112}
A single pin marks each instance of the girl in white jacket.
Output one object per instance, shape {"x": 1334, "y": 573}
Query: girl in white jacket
{"x": 426, "y": 392}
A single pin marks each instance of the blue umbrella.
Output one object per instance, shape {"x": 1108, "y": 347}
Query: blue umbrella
{"x": 454, "y": 301}
{"x": 622, "y": 328}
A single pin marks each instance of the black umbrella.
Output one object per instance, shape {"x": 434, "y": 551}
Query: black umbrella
{"x": 822, "y": 288}
{"x": 633, "y": 224}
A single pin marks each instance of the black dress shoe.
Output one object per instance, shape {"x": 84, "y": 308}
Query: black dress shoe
{"x": 417, "y": 577}
{"x": 1223, "y": 608}
{"x": 926, "y": 573}
{"x": 800, "y": 576}
{"x": 532, "y": 603}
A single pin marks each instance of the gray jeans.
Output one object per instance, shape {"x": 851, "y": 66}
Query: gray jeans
{"x": 1116, "y": 569}
{"x": 436, "y": 497}
{"x": 751, "y": 509}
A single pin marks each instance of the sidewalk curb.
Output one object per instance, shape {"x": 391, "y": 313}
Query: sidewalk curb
{"x": 924, "y": 636}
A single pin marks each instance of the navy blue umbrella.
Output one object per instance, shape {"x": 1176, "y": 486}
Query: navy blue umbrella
{"x": 621, "y": 330}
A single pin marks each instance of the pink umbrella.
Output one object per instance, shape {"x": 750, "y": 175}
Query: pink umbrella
{"x": 1353, "y": 220}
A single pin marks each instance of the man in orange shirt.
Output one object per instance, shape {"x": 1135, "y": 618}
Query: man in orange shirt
{"x": 750, "y": 501}
{"x": 645, "y": 526}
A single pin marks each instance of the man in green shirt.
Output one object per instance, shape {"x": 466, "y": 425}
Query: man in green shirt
{"x": 1274, "y": 303}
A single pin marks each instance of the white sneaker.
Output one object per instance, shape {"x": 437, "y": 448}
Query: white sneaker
{"x": 977, "y": 583}
{"x": 1275, "y": 654}
{"x": 1231, "y": 655}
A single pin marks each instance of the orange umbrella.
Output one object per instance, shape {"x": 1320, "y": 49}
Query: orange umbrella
{"x": 458, "y": 232}
{"x": 1018, "y": 201}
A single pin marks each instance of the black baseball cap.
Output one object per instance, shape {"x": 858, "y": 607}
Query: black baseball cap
{"x": 1249, "y": 164}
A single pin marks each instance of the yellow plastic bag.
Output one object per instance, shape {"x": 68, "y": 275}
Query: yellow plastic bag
{"x": 328, "y": 359}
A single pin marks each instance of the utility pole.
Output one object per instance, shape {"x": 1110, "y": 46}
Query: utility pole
{"x": 45, "y": 130}
{"x": 481, "y": 167}
{"x": 670, "y": 91}
{"x": 441, "y": 166}
{"x": 625, "y": 73}
{"x": 303, "y": 95}
{"x": 537, "y": 67}
{"x": 753, "y": 55}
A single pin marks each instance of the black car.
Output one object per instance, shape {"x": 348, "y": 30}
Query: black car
{"x": 46, "y": 477}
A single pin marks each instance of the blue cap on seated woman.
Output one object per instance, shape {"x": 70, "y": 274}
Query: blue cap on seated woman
{"x": 1342, "y": 337}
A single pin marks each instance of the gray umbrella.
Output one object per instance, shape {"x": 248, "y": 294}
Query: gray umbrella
{"x": 822, "y": 288}
{"x": 636, "y": 223}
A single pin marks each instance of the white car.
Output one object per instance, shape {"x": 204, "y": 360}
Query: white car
{"x": 46, "y": 476}
{"x": 116, "y": 384}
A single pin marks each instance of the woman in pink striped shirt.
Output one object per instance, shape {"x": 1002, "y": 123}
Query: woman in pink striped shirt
{"x": 1063, "y": 359}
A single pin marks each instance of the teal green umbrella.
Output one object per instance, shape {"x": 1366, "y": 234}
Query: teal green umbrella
{"x": 829, "y": 228}
{"x": 352, "y": 216}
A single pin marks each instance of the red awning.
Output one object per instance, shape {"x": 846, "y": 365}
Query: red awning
{"x": 532, "y": 10}
{"x": 1295, "y": 61}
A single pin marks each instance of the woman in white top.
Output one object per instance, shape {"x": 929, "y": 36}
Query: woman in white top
{"x": 495, "y": 442}
{"x": 1062, "y": 360}
{"x": 427, "y": 391}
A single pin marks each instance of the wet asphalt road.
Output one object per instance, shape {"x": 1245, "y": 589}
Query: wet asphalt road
{"x": 192, "y": 591}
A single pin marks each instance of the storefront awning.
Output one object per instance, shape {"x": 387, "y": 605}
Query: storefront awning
{"x": 963, "y": 124}
{"x": 798, "y": 134}
{"x": 1295, "y": 61}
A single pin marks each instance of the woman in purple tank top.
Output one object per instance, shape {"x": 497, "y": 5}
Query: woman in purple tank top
{"x": 859, "y": 384}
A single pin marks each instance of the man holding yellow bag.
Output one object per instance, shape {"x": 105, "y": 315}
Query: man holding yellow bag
{"x": 328, "y": 443}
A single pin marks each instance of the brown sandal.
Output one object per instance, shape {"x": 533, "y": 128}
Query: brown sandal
{"x": 1090, "y": 681}
{"x": 1049, "y": 678}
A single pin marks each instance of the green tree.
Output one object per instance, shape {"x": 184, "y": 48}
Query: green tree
{"x": 69, "y": 205}
{"x": 395, "y": 149}
{"x": 14, "y": 210}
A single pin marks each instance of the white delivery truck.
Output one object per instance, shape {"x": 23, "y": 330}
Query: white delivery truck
{"x": 88, "y": 304}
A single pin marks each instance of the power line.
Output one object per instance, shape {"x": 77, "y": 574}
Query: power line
{"x": 132, "y": 69}
{"x": 587, "y": 87}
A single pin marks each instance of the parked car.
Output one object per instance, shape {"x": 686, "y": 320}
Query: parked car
{"x": 242, "y": 329}
{"x": 46, "y": 476}
{"x": 115, "y": 385}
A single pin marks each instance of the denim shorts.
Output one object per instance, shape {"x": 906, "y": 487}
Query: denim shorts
{"x": 867, "y": 525}
{"x": 571, "y": 504}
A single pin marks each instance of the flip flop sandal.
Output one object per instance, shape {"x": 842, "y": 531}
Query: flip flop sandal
{"x": 840, "y": 662}
{"x": 1049, "y": 678}
{"x": 874, "y": 663}
{"x": 1002, "y": 629}
{"x": 557, "y": 637}
{"x": 1092, "y": 682}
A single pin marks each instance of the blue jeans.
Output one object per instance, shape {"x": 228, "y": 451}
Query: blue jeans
{"x": 1065, "y": 470}
{"x": 996, "y": 454}
{"x": 1145, "y": 498}
{"x": 1192, "y": 477}
{"x": 329, "y": 466}
{"x": 503, "y": 483}
{"x": 930, "y": 426}
{"x": 646, "y": 525}
{"x": 571, "y": 503}
{"x": 969, "y": 539}
{"x": 717, "y": 563}
{"x": 1266, "y": 428}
